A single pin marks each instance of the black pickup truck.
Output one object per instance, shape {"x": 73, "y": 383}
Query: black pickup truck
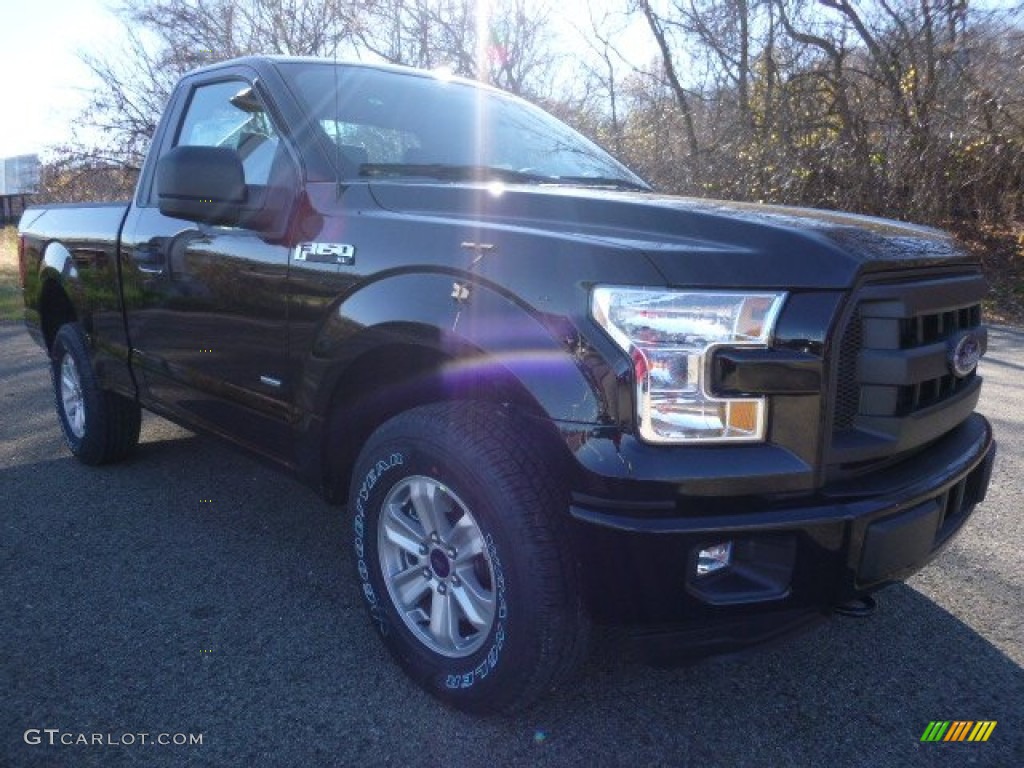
{"x": 550, "y": 396}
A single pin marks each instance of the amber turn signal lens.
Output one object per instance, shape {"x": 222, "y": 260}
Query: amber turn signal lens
{"x": 743, "y": 416}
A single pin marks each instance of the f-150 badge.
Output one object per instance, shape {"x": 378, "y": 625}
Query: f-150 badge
{"x": 325, "y": 253}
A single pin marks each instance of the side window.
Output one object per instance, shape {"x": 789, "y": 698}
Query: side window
{"x": 230, "y": 114}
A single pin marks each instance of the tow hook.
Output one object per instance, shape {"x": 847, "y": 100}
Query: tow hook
{"x": 859, "y": 608}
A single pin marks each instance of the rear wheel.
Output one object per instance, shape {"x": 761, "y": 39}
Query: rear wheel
{"x": 98, "y": 426}
{"x": 463, "y": 558}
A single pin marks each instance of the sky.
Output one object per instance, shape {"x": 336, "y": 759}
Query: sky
{"x": 43, "y": 82}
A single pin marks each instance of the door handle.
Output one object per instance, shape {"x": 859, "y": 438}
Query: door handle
{"x": 149, "y": 260}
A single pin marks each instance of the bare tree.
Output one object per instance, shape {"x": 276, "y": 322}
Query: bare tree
{"x": 882, "y": 106}
{"x": 912, "y": 108}
{"x": 166, "y": 38}
{"x": 684, "y": 96}
{"x": 213, "y": 30}
{"x": 506, "y": 44}
{"x": 122, "y": 113}
{"x": 592, "y": 100}
{"x": 69, "y": 178}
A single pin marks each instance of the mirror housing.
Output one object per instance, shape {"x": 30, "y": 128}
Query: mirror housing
{"x": 204, "y": 184}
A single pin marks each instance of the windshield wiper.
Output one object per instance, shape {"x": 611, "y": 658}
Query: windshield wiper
{"x": 490, "y": 173}
{"x": 451, "y": 172}
{"x": 602, "y": 181}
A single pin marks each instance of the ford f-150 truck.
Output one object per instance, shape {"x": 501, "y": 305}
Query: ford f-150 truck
{"x": 550, "y": 396}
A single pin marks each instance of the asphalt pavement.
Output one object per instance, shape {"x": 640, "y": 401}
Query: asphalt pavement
{"x": 193, "y": 594}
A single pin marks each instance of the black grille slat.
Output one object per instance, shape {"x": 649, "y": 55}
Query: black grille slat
{"x": 931, "y": 329}
{"x": 906, "y": 328}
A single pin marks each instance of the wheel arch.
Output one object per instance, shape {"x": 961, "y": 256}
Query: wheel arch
{"x": 55, "y": 309}
{"x": 404, "y": 341}
{"x": 50, "y": 289}
{"x": 415, "y": 374}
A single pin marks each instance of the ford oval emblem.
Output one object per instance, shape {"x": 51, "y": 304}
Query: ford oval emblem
{"x": 964, "y": 353}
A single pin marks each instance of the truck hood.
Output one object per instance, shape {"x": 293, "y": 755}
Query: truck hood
{"x": 692, "y": 242}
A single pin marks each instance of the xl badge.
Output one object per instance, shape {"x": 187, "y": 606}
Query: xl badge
{"x": 326, "y": 253}
{"x": 964, "y": 353}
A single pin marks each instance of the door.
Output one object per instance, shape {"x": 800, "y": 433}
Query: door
{"x": 206, "y": 306}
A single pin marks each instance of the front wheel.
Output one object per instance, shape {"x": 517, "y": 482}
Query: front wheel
{"x": 98, "y": 426}
{"x": 463, "y": 558}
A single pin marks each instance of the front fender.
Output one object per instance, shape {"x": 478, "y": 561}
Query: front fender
{"x": 483, "y": 334}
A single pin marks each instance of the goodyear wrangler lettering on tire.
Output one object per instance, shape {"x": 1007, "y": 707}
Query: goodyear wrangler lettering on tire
{"x": 480, "y": 672}
{"x": 374, "y": 474}
{"x": 359, "y": 524}
{"x": 468, "y": 679}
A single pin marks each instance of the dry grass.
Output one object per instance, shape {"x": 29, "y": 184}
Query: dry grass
{"x": 9, "y": 250}
{"x": 10, "y": 290}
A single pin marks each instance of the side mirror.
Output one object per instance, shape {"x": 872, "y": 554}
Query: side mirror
{"x": 201, "y": 184}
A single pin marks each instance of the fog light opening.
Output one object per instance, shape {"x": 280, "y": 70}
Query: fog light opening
{"x": 714, "y": 558}
{"x": 747, "y": 569}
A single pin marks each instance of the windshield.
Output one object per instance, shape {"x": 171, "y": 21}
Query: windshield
{"x": 387, "y": 123}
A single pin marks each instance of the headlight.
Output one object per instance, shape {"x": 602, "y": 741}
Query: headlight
{"x": 669, "y": 336}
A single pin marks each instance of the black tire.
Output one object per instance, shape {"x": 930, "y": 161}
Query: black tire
{"x": 469, "y": 466}
{"x": 98, "y": 426}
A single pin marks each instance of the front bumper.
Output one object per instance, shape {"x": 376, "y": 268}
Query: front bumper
{"x": 794, "y": 557}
